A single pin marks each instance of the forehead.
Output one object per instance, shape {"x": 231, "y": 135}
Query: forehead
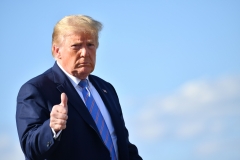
{"x": 79, "y": 36}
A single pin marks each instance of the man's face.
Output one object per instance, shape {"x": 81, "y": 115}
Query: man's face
{"x": 77, "y": 54}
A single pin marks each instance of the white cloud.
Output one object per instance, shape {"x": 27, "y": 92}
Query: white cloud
{"x": 198, "y": 108}
{"x": 208, "y": 148}
{"x": 190, "y": 129}
{"x": 199, "y": 95}
{"x": 222, "y": 147}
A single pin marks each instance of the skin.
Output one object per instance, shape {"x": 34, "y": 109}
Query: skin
{"x": 77, "y": 55}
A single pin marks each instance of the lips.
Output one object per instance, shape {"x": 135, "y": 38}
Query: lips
{"x": 83, "y": 64}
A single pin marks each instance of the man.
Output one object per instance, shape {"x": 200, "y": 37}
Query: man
{"x": 66, "y": 113}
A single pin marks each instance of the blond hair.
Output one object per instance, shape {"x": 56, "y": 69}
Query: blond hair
{"x": 75, "y": 23}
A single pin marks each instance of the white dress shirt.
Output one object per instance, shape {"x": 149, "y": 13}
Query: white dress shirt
{"x": 75, "y": 81}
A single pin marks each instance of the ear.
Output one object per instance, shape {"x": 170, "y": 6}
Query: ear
{"x": 56, "y": 52}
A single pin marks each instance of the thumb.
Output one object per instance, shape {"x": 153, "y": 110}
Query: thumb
{"x": 64, "y": 100}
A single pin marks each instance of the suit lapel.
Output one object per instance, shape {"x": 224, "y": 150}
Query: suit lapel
{"x": 64, "y": 85}
{"x": 106, "y": 96}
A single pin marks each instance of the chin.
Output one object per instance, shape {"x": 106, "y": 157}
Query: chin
{"x": 83, "y": 74}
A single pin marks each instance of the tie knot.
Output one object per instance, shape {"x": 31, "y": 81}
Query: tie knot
{"x": 83, "y": 83}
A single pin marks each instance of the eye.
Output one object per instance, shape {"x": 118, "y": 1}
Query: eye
{"x": 76, "y": 46}
{"x": 90, "y": 44}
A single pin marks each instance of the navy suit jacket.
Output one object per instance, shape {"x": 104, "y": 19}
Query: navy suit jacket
{"x": 81, "y": 139}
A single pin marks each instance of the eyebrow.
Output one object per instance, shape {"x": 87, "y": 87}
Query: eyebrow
{"x": 76, "y": 43}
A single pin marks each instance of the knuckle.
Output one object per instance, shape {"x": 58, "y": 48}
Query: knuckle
{"x": 58, "y": 127}
{"x": 52, "y": 114}
{"x": 63, "y": 122}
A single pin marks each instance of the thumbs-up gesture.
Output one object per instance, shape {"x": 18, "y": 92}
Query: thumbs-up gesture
{"x": 59, "y": 114}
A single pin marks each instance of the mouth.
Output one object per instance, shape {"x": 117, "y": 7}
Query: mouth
{"x": 83, "y": 64}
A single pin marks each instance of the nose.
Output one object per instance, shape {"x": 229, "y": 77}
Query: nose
{"x": 84, "y": 51}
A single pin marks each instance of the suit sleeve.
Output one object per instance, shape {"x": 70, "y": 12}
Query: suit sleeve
{"x": 133, "y": 151}
{"x": 32, "y": 118}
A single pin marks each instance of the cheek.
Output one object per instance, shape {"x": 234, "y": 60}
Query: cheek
{"x": 70, "y": 59}
{"x": 76, "y": 57}
{"x": 93, "y": 57}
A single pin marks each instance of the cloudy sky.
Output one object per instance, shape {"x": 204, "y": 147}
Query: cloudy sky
{"x": 174, "y": 63}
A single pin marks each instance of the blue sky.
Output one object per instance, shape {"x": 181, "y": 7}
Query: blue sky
{"x": 175, "y": 65}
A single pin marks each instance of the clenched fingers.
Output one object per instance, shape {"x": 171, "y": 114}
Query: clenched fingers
{"x": 59, "y": 114}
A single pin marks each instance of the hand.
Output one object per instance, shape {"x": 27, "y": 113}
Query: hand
{"x": 59, "y": 114}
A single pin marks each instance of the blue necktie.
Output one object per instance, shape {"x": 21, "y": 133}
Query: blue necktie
{"x": 97, "y": 117}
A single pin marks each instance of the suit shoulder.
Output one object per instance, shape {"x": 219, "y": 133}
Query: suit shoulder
{"x": 42, "y": 83}
{"x": 96, "y": 78}
{"x": 100, "y": 82}
{"x": 41, "y": 79}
